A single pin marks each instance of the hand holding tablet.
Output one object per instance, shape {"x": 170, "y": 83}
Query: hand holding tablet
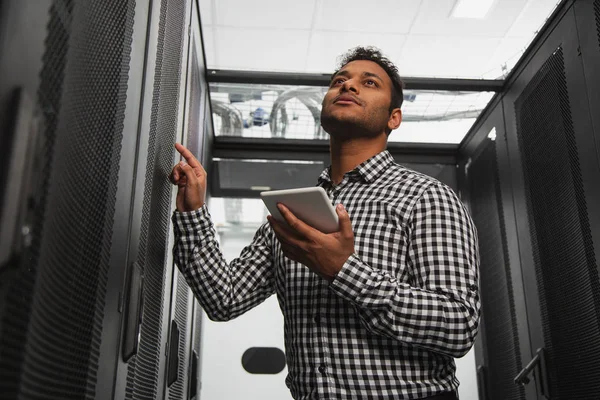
{"x": 311, "y": 205}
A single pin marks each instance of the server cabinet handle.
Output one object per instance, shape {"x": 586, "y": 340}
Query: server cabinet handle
{"x": 134, "y": 313}
{"x": 538, "y": 366}
{"x": 173, "y": 374}
{"x": 194, "y": 376}
{"x": 482, "y": 383}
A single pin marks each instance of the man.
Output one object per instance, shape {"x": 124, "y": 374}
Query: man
{"x": 377, "y": 310}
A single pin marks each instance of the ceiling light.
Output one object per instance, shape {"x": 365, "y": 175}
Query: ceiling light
{"x": 471, "y": 8}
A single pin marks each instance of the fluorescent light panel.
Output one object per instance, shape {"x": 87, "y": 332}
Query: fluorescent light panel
{"x": 477, "y": 9}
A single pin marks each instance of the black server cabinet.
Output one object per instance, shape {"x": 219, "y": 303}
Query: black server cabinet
{"x": 545, "y": 166}
{"x": 587, "y": 13}
{"x": 556, "y": 174}
{"x": 503, "y": 341}
{"x": 144, "y": 372}
{"x": 57, "y": 289}
{"x": 186, "y": 313}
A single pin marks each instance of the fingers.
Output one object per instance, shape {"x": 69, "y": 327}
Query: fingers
{"x": 344, "y": 222}
{"x": 189, "y": 157}
{"x": 284, "y": 233}
{"x": 192, "y": 179}
{"x": 297, "y": 225}
{"x": 176, "y": 174}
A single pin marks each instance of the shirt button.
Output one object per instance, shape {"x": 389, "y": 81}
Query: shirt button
{"x": 322, "y": 368}
{"x": 317, "y": 319}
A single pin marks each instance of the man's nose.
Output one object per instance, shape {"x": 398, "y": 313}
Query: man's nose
{"x": 350, "y": 86}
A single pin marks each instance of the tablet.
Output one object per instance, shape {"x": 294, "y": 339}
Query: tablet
{"x": 311, "y": 205}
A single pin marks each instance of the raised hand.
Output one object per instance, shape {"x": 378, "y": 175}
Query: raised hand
{"x": 190, "y": 178}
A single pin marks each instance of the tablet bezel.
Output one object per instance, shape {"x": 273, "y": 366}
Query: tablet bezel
{"x": 310, "y": 204}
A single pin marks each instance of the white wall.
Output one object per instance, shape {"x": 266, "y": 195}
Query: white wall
{"x": 466, "y": 373}
{"x": 224, "y": 343}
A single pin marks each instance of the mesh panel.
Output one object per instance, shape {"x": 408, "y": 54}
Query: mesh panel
{"x": 178, "y": 389}
{"x": 597, "y": 12}
{"x": 503, "y": 357}
{"x": 142, "y": 377}
{"x": 17, "y": 301}
{"x": 63, "y": 335}
{"x": 563, "y": 251}
{"x": 196, "y": 344}
{"x": 197, "y": 330}
{"x": 194, "y": 138}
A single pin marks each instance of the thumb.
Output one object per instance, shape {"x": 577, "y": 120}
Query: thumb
{"x": 344, "y": 220}
{"x": 189, "y": 173}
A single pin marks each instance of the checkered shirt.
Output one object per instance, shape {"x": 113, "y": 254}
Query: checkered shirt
{"x": 393, "y": 319}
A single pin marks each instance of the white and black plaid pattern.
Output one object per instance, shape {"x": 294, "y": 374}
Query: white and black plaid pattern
{"x": 402, "y": 307}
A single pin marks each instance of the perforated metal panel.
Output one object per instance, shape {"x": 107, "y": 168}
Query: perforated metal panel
{"x": 142, "y": 377}
{"x": 178, "y": 390}
{"x": 16, "y": 309}
{"x": 86, "y": 65}
{"x": 566, "y": 269}
{"x": 197, "y": 348}
{"x": 597, "y": 12}
{"x": 503, "y": 357}
{"x": 195, "y": 133}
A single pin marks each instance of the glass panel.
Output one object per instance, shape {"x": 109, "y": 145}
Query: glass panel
{"x": 293, "y": 112}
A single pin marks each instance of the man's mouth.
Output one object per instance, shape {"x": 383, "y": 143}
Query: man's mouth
{"x": 346, "y": 99}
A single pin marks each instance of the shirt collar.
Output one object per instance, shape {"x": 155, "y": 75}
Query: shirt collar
{"x": 367, "y": 171}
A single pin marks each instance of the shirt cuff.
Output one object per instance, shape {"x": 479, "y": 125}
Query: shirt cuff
{"x": 356, "y": 277}
{"x": 197, "y": 221}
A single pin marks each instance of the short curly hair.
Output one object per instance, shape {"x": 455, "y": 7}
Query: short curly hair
{"x": 370, "y": 53}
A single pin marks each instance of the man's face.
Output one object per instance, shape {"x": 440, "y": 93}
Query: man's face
{"x": 357, "y": 103}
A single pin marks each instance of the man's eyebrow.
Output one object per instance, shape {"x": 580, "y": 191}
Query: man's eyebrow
{"x": 342, "y": 73}
{"x": 372, "y": 75}
{"x": 346, "y": 73}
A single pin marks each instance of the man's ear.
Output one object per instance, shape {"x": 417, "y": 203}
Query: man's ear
{"x": 395, "y": 119}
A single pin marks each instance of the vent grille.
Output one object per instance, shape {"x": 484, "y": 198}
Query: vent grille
{"x": 16, "y": 311}
{"x": 597, "y": 12}
{"x": 503, "y": 357}
{"x": 178, "y": 389}
{"x": 195, "y": 134}
{"x": 566, "y": 269}
{"x": 62, "y": 348}
{"x": 142, "y": 377}
{"x": 197, "y": 329}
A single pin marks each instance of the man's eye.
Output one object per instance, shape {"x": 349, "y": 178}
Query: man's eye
{"x": 371, "y": 82}
{"x": 337, "y": 81}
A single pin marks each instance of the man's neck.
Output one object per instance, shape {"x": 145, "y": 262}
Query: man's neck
{"x": 348, "y": 154}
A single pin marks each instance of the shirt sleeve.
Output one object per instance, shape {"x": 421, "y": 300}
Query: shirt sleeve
{"x": 225, "y": 291}
{"x": 440, "y": 309}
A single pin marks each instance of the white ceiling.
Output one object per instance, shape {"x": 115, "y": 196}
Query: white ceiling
{"x": 420, "y": 36}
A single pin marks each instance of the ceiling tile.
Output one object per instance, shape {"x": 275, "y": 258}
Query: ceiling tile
{"x": 381, "y": 16}
{"x": 507, "y": 53}
{"x": 261, "y": 49}
{"x": 434, "y": 19}
{"x": 444, "y": 56}
{"x": 208, "y": 38}
{"x": 532, "y": 18}
{"x": 326, "y": 47}
{"x": 206, "y": 8}
{"x": 265, "y": 13}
